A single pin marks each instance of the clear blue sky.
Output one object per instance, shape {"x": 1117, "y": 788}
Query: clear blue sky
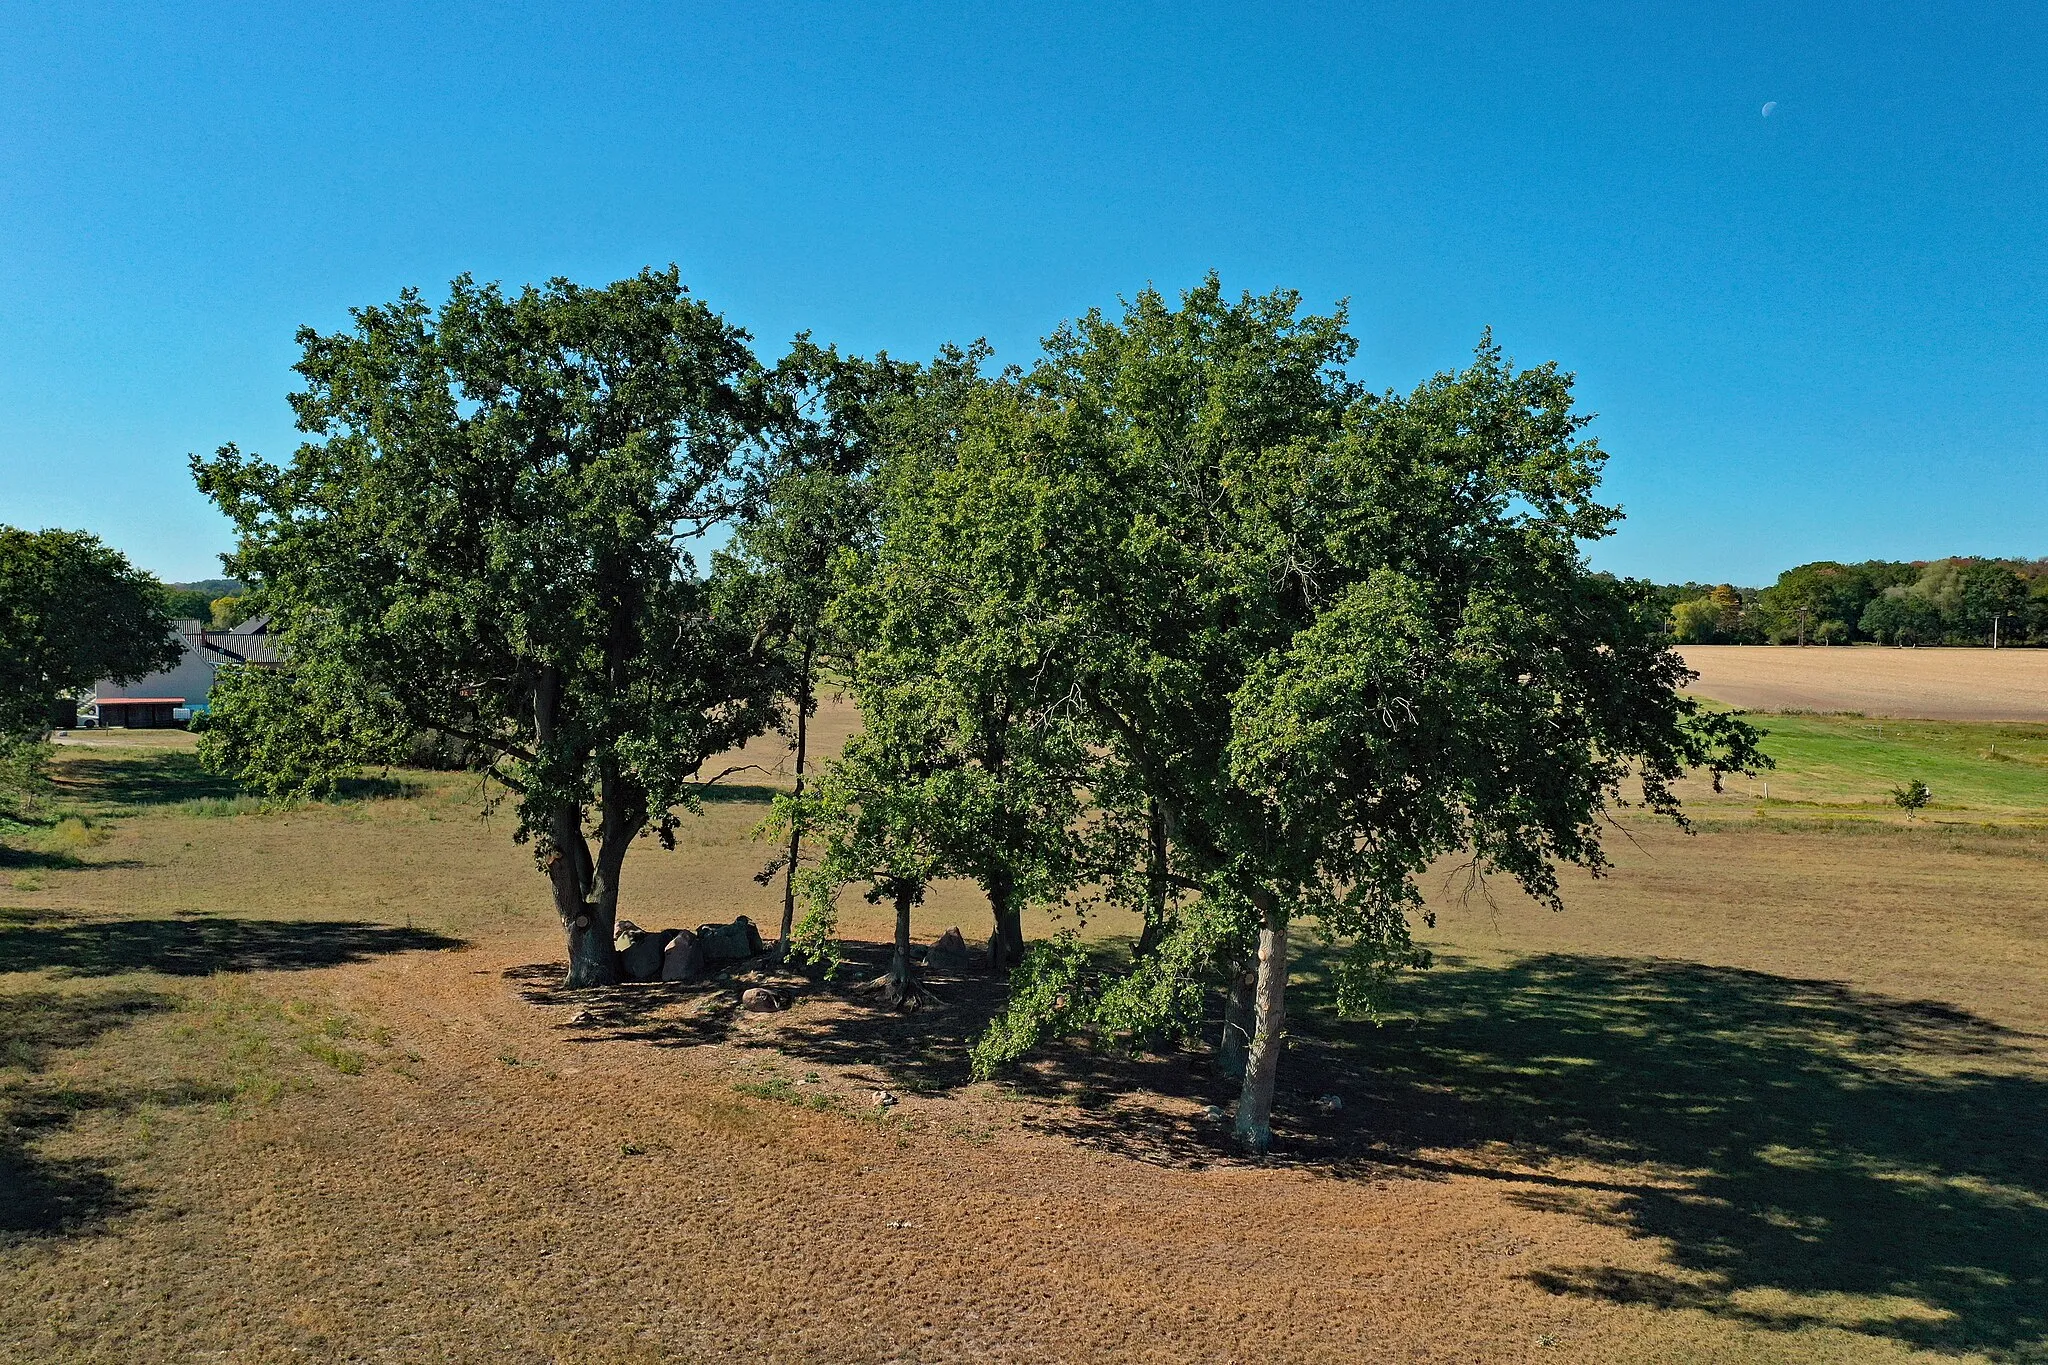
{"x": 1817, "y": 334}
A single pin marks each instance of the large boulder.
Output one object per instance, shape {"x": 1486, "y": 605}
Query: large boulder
{"x": 727, "y": 943}
{"x": 948, "y": 953}
{"x": 684, "y": 960}
{"x": 640, "y": 952}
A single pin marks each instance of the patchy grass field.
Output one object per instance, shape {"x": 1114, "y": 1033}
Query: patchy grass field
{"x": 298, "y": 1085}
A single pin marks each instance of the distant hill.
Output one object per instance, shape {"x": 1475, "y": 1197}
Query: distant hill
{"x": 212, "y": 587}
{"x": 194, "y": 601}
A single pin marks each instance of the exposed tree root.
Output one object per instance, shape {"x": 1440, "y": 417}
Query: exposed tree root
{"x": 906, "y": 994}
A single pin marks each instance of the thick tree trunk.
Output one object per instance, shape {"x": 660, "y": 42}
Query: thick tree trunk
{"x": 1235, "y": 1046}
{"x": 1006, "y": 946}
{"x": 1254, "y": 1126}
{"x": 796, "y": 828}
{"x": 587, "y": 919}
{"x": 592, "y": 959}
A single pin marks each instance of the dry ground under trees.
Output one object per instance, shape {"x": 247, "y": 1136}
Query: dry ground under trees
{"x": 297, "y": 1085}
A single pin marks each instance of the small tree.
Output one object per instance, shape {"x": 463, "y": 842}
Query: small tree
{"x": 485, "y": 537}
{"x": 1696, "y": 621}
{"x": 940, "y": 634}
{"x": 884, "y": 808}
{"x": 1901, "y": 615}
{"x": 779, "y": 571}
{"x": 1912, "y": 797}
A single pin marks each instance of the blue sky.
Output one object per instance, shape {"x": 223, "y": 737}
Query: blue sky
{"x": 1817, "y": 334}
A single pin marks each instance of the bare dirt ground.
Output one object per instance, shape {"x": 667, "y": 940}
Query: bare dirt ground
{"x": 298, "y": 1087}
{"x": 1929, "y": 684}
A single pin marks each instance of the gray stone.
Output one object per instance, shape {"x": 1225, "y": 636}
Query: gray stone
{"x": 639, "y": 952}
{"x": 948, "y": 954}
{"x": 724, "y": 943}
{"x": 684, "y": 960}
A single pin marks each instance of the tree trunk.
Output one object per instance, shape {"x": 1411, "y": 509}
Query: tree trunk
{"x": 796, "y": 826}
{"x": 592, "y": 959}
{"x": 1006, "y": 947}
{"x": 1254, "y": 1126}
{"x": 1236, "y": 1044}
{"x": 899, "y": 961}
{"x": 587, "y": 919}
{"x": 899, "y": 987}
{"x": 1155, "y": 882}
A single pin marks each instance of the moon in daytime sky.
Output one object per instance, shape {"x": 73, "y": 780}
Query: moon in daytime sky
{"x": 1768, "y": 107}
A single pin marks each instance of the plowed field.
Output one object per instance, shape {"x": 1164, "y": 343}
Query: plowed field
{"x": 1930, "y": 684}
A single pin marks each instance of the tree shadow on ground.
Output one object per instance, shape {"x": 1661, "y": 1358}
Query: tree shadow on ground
{"x": 175, "y": 777}
{"x": 1810, "y": 1154}
{"x": 744, "y": 793}
{"x": 149, "y": 778}
{"x": 661, "y": 1013}
{"x": 45, "y": 860}
{"x": 1796, "y": 1136}
{"x": 42, "y": 1196}
{"x": 195, "y": 945}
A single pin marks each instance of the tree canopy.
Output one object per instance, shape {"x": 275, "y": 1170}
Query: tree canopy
{"x": 1334, "y": 634}
{"x": 1181, "y": 619}
{"x": 486, "y": 536}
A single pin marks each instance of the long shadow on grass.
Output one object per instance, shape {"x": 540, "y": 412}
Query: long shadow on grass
{"x": 1810, "y": 1138}
{"x": 1784, "y": 1135}
{"x": 174, "y": 777}
{"x": 45, "y": 1196}
{"x": 53, "y": 1196}
{"x": 31, "y": 940}
{"x": 151, "y": 778}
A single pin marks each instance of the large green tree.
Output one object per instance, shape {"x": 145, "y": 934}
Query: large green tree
{"x": 486, "y": 536}
{"x": 1335, "y": 635}
{"x": 73, "y": 612}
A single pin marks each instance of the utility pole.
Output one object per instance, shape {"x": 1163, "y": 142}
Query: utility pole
{"x": 1994, "y": 629}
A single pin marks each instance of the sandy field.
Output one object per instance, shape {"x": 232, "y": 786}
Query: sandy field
{"x": 1928, "y": 684}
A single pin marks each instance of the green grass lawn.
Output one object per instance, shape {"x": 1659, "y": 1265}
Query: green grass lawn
{"x": 1854, "y": 761}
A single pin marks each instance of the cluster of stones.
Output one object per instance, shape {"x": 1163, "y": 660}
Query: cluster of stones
{"x": 680, "y": 954}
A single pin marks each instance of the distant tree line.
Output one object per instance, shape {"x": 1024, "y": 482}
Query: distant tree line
{"x": 215, "y": 602}
{"x": 1957, "y": 601}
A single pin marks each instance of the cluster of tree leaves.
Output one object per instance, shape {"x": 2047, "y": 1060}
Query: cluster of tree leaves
{"x": 1957, "y": 601}
{"x": 486, "y": 537}
{"x": 1180, "y": 622}
{"x": 73, "y": 612}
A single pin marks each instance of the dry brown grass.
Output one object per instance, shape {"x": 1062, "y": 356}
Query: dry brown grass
{"x": 1931, "y": 684}
{"x": 294, "y": 1085}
